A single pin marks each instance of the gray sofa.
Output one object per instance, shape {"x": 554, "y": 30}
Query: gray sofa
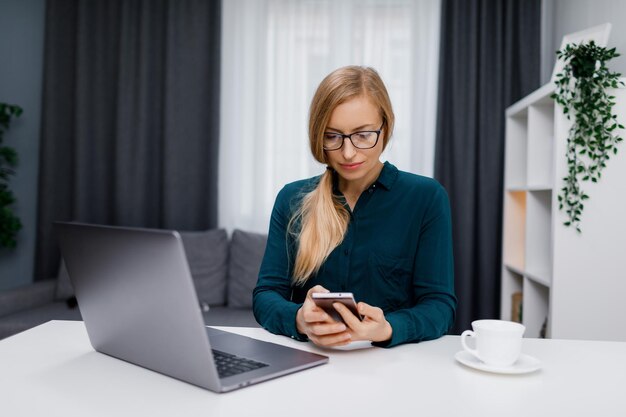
{"x": 224, "y": 272}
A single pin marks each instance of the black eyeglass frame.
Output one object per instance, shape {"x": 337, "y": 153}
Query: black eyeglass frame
{"x": 349, "y": 137}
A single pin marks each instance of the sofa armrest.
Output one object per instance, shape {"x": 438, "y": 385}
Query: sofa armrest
{"x": 28, "y": 296}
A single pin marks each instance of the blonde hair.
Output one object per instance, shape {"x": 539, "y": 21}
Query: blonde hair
{"x": 323, "y": 219}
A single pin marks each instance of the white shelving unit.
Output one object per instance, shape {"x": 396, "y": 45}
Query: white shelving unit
{"x": 575, "y": 283}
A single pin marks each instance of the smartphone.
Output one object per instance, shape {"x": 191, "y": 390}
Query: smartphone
{"x": 325, "y": 301}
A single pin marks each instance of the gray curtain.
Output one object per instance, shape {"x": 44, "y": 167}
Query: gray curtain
{"x": 490, "y": 51}
{"x": 130, "y": 116}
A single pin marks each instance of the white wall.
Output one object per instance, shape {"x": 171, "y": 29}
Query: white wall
{"x": 567, "y": 16}
{"x": 21, "y": 69}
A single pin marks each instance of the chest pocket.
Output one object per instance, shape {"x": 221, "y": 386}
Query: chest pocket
{"x": 390, "y": 281}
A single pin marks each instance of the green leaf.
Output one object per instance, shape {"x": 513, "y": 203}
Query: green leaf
{"x": 589, "y": 106}
{"x": 10, "y": 224}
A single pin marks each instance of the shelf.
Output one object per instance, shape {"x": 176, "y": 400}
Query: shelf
{"x": 540, "y": 144}
{"x": 530, "y": 188}
{"x": 551, "y": 265}
{"x": 515, "y": 151}
{"x": 540, "y": 188}
{"x": 535, "y": 307}
{"x": 539, "y": 235}
{"x": 511, "y": 283}
{"x": 515, "y": 269}
{"x": 539, "y": 96}
{"x": 515, "y": 229}
{"x": 539, "y": 277}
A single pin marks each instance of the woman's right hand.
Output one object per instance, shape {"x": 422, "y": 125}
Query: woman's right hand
{"x": 319, "y": 327}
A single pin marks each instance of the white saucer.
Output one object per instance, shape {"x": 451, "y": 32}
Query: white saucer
{"x": 523, "y": 365}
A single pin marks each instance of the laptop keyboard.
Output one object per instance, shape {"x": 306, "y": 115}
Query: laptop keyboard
{"x": 229, "y": 364}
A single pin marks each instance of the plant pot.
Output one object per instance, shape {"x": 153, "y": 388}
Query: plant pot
{"x": 583, "y": 66}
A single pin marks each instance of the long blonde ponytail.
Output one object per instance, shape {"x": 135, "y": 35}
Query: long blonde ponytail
{"x": 322, "y": 216}
{"x": 324, "y": 221}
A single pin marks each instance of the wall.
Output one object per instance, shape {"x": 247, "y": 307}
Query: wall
{"x": 21, "y": 71}
{"x": 567, "y": 16}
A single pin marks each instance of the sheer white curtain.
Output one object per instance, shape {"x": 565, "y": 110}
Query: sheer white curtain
{"x": 275, "y": 53}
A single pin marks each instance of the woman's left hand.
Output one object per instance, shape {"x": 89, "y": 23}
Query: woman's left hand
{"x": 374, "y": 327}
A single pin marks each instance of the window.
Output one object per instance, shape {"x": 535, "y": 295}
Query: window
{"x": 275, "y": 53}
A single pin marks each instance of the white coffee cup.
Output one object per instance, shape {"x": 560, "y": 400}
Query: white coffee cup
{"x": 498, "y": 342}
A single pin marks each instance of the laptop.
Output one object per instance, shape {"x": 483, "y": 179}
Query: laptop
{"x": 139, "y": 304}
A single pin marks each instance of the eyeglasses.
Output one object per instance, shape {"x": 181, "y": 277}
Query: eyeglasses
{"x": 364, "y": 139}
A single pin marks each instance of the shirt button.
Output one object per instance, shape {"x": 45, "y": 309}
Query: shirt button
{"x": 346, "y": 252}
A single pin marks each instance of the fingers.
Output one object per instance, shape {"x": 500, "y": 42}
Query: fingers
{"x": 321, "y": 329}
{"x": 374, "y": 313}
{"x": 314, "y": 314}
{"x": 329, "y": 333}
{"x": 311, "y": 313}
{"x": 326, "y": 329}
{"x": 311, "y": 320}
{"x": 317, "y": 288}
{"x": 331, "y": 340}
{"x": 377, "y": 328}
{"x": 374, "y": 326}
{"x": 348, "y": 317}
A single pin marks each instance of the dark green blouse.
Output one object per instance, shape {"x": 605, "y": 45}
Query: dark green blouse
{"x": 396, "y": 255}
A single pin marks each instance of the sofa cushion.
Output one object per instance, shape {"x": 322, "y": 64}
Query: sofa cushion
{"x": 207, "y": 255}
{"x": 25, "y": 319}
{"x": 228, "y": 316}
{"x": 26, "y": 296}
{"x": 246, "y": 253}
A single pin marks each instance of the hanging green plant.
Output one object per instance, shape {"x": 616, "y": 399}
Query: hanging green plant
{"x": 9, "y": 223}
{"x": 581, "y": 90}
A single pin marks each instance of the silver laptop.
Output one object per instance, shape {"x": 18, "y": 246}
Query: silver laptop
{"x": 139, "y": 304}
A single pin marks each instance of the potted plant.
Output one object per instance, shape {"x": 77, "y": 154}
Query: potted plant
{"x": 9, "y": 223}
{"x": 581, "y": 90}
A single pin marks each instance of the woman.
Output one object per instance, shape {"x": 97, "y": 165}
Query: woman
{"x": 362, "y": 226}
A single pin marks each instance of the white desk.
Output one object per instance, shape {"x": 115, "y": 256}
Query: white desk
{"x": 52, "y": 370}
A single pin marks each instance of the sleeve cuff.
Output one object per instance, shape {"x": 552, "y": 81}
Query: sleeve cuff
{"x": 292, "y": 330}
{"x": 399, "y": 332}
